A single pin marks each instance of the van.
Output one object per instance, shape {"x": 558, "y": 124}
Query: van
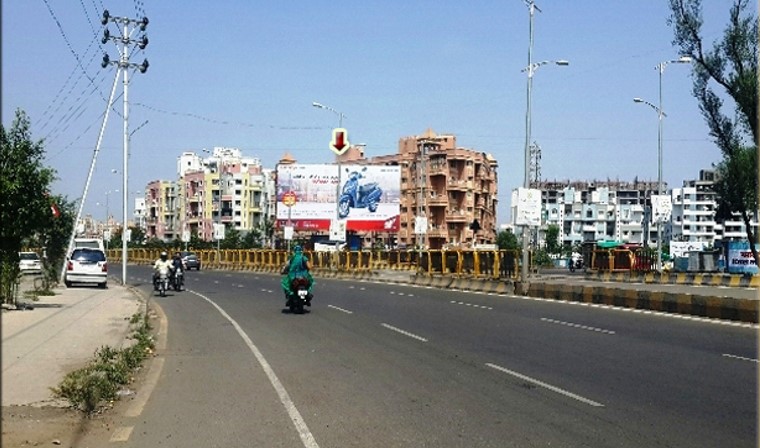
{"x": 89, "y": 243}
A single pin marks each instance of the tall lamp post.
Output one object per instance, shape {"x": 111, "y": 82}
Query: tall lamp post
{"x": 530, "y": 69}
{"x": 660, "y": 115}
{"x": 337, "y": 186}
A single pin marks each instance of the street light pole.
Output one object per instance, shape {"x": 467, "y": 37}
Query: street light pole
{"x": 660, "y": 115}
{"x": 530, "y": 69}
{"x": 337, "y": 186}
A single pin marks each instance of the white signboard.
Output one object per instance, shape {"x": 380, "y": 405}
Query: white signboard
{"x": 682, "y": 248}
{"x": 185, "y": 236}
{"x": 218, "y": 231}
{"x": 129, "y": 234}
{"x": 661, "y": 208}
{"x": 337, "y": 230}
{"x": 288, "y": 232}
{"x": 420, "y": 225}
{"x": 528, "y": 207}
{"x": 107, "y": 235}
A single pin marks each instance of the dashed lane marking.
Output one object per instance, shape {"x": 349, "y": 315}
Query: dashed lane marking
{"x": 340, "y": 309}
{"x": 545, "y": 385}
{"x": 405, "y": 333}
{"x": 580, "y": 326}
{"x": 472, "y": 305}
{"x": 742, "y": 358}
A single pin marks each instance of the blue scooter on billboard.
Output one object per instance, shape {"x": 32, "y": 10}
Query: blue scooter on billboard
{"x": 358, "y": 196}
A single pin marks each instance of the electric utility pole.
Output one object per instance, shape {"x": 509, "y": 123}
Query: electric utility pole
{"x": 124, "y": 40}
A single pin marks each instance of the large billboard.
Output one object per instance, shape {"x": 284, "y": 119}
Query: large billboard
{"x": 366, "y": 197}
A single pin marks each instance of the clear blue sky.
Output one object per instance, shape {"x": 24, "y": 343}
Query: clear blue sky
{"x": 251, "y": 71}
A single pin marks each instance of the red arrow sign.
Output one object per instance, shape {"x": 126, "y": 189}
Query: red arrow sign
{"x": 339, "y": 143}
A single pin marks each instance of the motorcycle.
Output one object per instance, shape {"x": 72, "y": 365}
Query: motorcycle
{"x": 575, "y": 264}
{"x": 178, "y": 280}
{"x": 358, "y": 196}
{"x": 161, "y": 283}
{"x": 299, "y": 296}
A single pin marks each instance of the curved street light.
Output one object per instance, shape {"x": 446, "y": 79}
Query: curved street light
{"x": 660, "y": 115}
{"x": 530, "y": 69}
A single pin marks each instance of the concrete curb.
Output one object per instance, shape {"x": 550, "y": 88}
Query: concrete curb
{"x": 679, "y": 278}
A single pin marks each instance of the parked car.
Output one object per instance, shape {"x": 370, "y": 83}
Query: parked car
{"x": 29, "y": 263}
{"x": 87, "y": 265}
{"x": 191, "y": 261}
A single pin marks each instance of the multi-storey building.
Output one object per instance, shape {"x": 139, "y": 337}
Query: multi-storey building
{"x": 224, "y": 188}
{"x": 597, "y": 210}
{"x": 693, "y": 215}
{"x": 453, "y": 188}
{"x": 161, "y": 210}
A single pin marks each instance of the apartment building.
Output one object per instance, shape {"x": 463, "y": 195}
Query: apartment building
{"x": 596, "y": 210}
{"x": 454, "y": 189}
{"x": 693, "y": 215}
{"x": 161, "y": 210}
{"x": 223, "y": 188}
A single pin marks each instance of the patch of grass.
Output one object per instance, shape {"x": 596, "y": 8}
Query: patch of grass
{"x": 98, "y": 382}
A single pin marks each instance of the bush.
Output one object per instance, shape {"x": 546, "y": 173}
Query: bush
{"x": 100, "y": 380}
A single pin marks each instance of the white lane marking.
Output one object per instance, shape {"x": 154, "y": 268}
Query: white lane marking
{"x": 307, "y": 438}
{"x": 393, "y": 292}
{"x": 351, "y": 287}
{"x": 121, "y": 434}
{"x": 405, "y": 333}
{"x": 455, "y": 302}
{"x": 362, "y": 288}
{"x": 241, "y": 286}
{"x": 544, "y": 385}
{"x": 340, "y": 309}
{"x": 582, "y": 327}
{"x": 740, "y": 357}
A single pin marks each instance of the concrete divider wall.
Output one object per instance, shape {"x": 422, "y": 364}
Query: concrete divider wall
{"x": 678, "y": 278}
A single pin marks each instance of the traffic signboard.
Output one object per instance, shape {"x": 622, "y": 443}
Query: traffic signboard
{"x": 289, "y": 199}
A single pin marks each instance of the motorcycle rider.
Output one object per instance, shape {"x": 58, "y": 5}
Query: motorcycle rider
{"x": 298, "y": 266}
{"x": 177, "y": 265}
{"x": 161, "y": 266}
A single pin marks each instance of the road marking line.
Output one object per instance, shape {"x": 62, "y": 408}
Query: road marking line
{"x": 741, "y": 358}
{"x": 544, "y": 385}
{"x": 307, "y": 438}
{"x": 484, "y": 307}
{"x": 340, "y": 309}
{"x": 121, "y": 434}
{"x": 405, "y": 333}
{"x": 141, "y": 399}
{"x": 582, "y": 327}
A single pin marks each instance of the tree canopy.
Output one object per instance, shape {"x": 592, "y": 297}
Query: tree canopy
{"x": 726, "y": 71}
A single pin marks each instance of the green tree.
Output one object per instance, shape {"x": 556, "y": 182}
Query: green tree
{"x": 507, "y": 240}
{"x": 232, "y": 238}
{"x": 553, "y": 247}
{"x": 24, "y": 201}
{"x": 252, "y": 239}
{"x": 730, "y": 66}
{"x": 138, "y": 236}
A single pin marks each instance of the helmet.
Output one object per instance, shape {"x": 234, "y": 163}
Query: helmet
{"x": 163, "y": 256}
{"x": 297, "y": 248}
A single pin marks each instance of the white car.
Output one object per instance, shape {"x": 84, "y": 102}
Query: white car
{"x": 29, "y": 263}
{"x": 87, "y": 266}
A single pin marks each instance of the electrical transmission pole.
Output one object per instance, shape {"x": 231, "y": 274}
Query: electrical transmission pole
{"x": 124, "y": 39}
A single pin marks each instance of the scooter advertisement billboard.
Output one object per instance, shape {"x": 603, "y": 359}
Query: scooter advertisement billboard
{"x": 367, "y": 197}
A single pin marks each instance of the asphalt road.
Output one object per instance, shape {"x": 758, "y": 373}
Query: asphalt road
{"x": 380, "y": 365}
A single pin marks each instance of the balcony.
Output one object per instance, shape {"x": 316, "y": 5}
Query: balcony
{"x": 461, "y": 185}
{"x": 458, "y": 216}
{"x": 438, "y": 233}
{"x": 438, "y": 200}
